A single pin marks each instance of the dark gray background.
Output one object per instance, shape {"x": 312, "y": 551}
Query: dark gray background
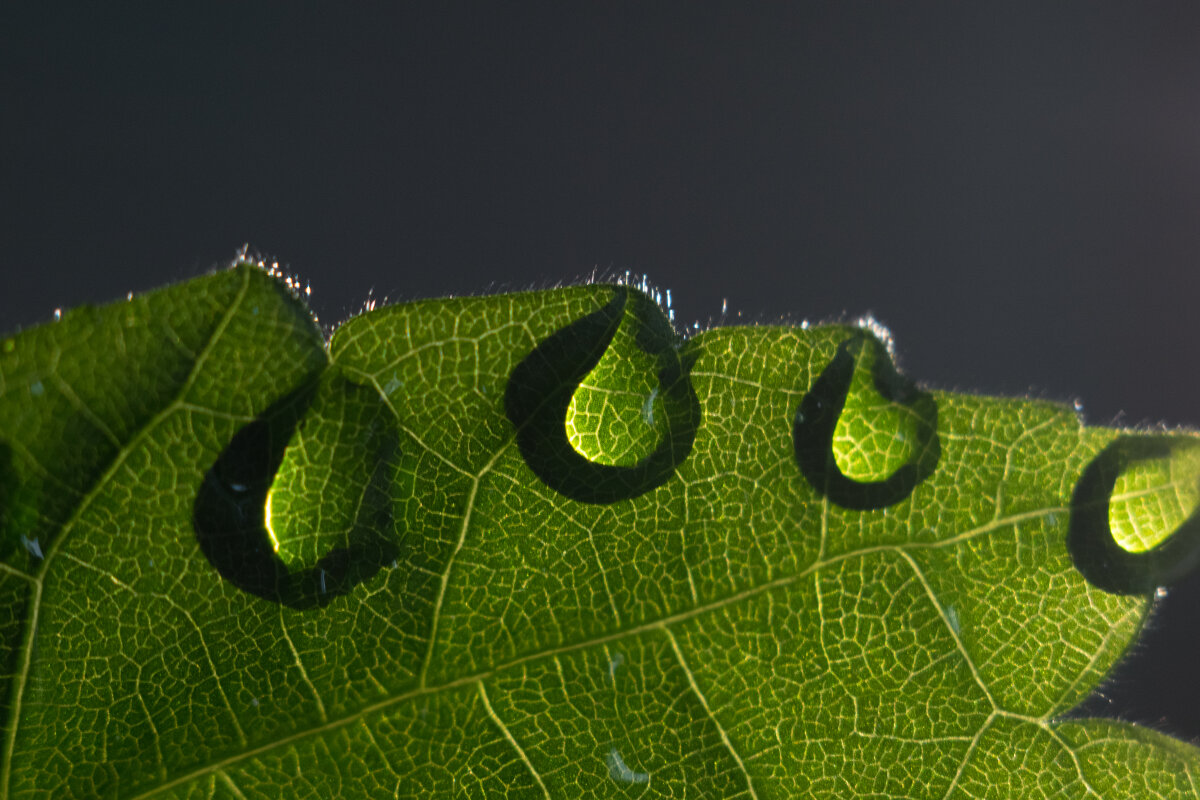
{"x": 1014, "y": 189}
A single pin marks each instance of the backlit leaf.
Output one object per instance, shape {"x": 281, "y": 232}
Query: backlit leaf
{"x": 539, "y": 545}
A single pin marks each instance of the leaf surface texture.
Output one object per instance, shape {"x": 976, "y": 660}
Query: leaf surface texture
{"x": 537, "y": 545}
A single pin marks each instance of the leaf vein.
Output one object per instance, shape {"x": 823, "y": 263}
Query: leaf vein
{"x": 691, "y": 678}
{"x": 1074, "y": 758}
{"x": 958, "y": 642}
{"x": 966, "y": 759}
{"x": 424, "y": 689}
{"x": 435, "y": 618}
{"x": 233, "y": 787}
{"x": 287, "y": 637}
{"x": 22, "y": 678}
{"x": 511, "y": 739}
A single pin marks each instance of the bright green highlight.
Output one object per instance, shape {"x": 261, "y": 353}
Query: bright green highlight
{"x": 1152, "y": 498}
{"x": 874, "y": 436}
{"x": 616, "y": 416}
{"x": 335, "y": 475}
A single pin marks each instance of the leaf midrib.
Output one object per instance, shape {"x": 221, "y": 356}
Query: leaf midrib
{"x": 645, "y": 627}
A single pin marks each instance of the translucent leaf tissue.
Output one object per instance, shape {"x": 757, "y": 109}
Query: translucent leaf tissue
{"x": 541, "y": 545}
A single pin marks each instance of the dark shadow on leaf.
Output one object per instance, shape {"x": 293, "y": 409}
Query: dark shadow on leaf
{"x": 817, "y": 417}
{"x": 540, "y": 389}
{"x": 1090, "y": 540}
{"x": 228, "y": 518}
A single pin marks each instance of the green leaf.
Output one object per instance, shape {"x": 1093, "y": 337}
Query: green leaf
{"x": 537, "y": 545}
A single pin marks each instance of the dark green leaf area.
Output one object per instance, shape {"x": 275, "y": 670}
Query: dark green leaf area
{"x": 115, "y": 680}
{"x": 726, "y": 630}
{"x": 16, "y": 594}
{"x": 75, "y": 393}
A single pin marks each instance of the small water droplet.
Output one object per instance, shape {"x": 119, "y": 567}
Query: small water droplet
{"x": 1160, "y": 593}
{"x": 724, "y": 305}
{"x": 33, "y": 546}
{"x": 238, "y": 487}
{"x": 620, "y": 771}
{"x": 129, "y": 295}
{"x": 1052, "y": 520}
{"x": 392, "y": 385}
{"x": 322, "y": 581}
{"x": 952, "y": 618}
{"x": 1078, "y": 404}
{"x": 648, "y": 407}
{"x": 254, "y": 702}
{"x": 617, "y": 660}
{"x": 57, "y": 314}
{"x": 36, "y": 389}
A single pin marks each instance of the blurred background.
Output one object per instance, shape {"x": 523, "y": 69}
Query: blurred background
{"x": 1013, "y": 189}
